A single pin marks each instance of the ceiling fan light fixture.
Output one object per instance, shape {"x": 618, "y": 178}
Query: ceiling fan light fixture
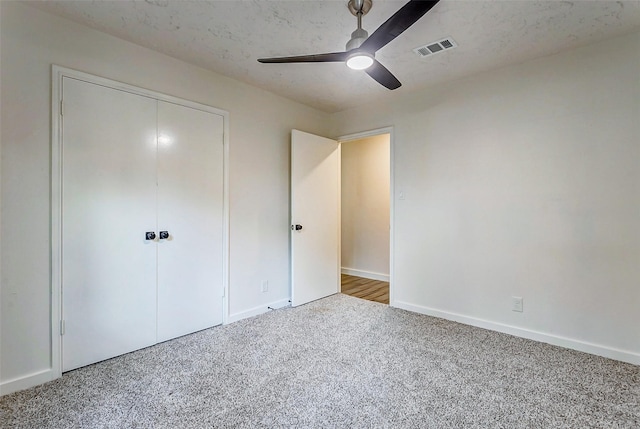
{"x": 360, "y": 61}
{"x": 361, "y": 49}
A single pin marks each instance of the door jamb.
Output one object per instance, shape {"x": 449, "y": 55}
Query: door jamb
{"x": 356, "y": 136}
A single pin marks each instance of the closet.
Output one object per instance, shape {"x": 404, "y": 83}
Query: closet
{"x": 142, "y": 220}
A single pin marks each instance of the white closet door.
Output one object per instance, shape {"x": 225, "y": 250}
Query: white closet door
{"x": 108, "y": 203}
{"x": 190, "y": 209}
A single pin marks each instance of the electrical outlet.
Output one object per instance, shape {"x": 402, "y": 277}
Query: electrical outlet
{"x": 516, "y": 303}
{"x": 265, "y": 286}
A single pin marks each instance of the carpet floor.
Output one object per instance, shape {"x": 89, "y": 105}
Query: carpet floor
{"x": 340, "y": 362}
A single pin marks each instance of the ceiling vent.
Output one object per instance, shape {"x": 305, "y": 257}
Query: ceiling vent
{"x": 436, "y": 47}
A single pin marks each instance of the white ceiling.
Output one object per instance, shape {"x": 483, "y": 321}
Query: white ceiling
{"x": 228, "y": 36}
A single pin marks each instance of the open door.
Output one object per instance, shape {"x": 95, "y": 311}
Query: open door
{"x": 315, "y": 217}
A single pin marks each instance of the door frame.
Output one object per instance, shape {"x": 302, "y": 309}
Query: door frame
{"x": 57, "y": 75}
{"x": 357, "y": 136}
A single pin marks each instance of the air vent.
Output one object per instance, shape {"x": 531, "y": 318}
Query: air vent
{"x": 436, "y": 47}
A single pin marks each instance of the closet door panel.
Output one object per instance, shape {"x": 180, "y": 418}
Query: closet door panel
{"x": 190, "y": 209}
{"x": 109, "y": 202}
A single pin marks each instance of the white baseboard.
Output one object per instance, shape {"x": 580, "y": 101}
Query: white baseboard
{"x": 366, "y": 274}
{"x": 27, "y": 381}
{"x": 569, "y": 343}
{"x": 257, "y": 310}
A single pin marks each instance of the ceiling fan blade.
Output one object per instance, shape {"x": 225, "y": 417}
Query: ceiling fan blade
{"x": 394, "y": 26}
{"x": 332, "y": 57}
{"x": 383, "y": 76}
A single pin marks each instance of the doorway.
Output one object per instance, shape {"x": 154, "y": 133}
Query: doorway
{"x": 365, "y": 257}
{"x": 315, "y": 221}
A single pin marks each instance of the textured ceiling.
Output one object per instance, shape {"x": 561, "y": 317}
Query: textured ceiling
{"x": 228, "y": 36}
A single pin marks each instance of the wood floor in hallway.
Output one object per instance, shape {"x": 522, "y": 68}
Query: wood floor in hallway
{"x": 372, "y": 290}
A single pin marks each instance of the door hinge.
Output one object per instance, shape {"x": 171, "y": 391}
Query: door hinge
{"x": 62, "y": 327}
{"x": 61, "y": 108}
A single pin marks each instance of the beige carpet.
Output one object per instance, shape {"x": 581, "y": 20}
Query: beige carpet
{"x": 339, "y": 362}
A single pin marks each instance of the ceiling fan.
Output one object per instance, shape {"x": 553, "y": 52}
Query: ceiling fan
{"x": 361, "y": 49}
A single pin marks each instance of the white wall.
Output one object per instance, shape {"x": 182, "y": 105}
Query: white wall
{"x": 365, "y": 207}
{"x": 0, "y": 198}
{"x": 523, "y": 182}
{"x": 260, "y": 125}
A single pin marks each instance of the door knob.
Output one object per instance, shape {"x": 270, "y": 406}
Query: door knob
{"x": 149, "y": 235}
{"x": 164, "y": 235}
{"x": 296, "y": 227}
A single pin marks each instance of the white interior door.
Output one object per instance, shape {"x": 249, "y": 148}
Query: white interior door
{"x": 190, "y": 210}
{"x": 315, "y": 207}
{"x": 108, "y": 203}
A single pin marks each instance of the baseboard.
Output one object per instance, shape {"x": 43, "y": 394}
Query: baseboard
{"x": 569, "y": 343}
{"x": 258, "y": 310}
{"x": 365, "y": 274}
{"x": 27, "y": 381}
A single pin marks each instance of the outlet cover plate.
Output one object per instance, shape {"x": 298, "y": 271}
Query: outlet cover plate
{"x": 516, "y": 304}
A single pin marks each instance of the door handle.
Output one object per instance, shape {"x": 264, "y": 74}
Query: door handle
{"x": 149, "y": 235}
{"x": 296, "y": 227}
{"x": 164, "y": 235}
